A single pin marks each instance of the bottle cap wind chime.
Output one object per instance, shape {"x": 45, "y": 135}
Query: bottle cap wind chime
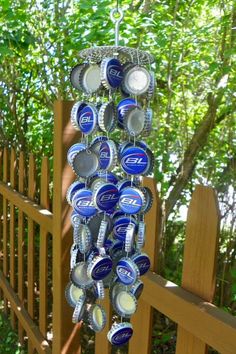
{"x": 108, "y": 200}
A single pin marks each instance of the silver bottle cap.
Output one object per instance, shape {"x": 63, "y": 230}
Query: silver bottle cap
{"x": 79, "y": 309}
{"x": 107, "y": 117}
{"x": 136, "y": 80}
{"x": 148, "y": 199}
{"x": 73, "y": 294}
{"x": 102, "y": 233}
{"x": 94, "y": 225}
{"x": 124, "y": 303}
{"x": 140, "y": 240}
{"x": 151, "y": 159}
{"x": 84, "y": 238}
{"x": 74, "y": 76}
{"x": 90, "y": 78}
{"x": 97, "y": 317}
{"x": 100, "y": 290}
{"x": 134, "y": 121}
{"x": 129, "y": 238}
{"x": 85, "y": 163}
{"x": 79, "y": 276}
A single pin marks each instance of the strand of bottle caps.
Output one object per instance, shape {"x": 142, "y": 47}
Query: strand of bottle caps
{"x": 108, "y": 200}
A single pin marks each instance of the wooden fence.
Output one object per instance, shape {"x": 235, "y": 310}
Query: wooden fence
{"x": 35, "y": 239}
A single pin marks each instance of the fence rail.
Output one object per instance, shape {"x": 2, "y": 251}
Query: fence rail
{"x": 34, "y": 262}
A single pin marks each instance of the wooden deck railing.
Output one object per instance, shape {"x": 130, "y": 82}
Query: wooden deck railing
{"x": 35, "y": 243}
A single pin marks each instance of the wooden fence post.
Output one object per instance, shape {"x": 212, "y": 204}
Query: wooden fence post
{"x": 65, "y": 335}
{"x": 21, "y": 240}
{"x": 12, "y": 232}
{"x": 142, "y": 319}
{"x": 43, "y": 251}
{"x": 199, "y": 259}
{"x": 31, "y": 247}
{"x": 5, "y": 223}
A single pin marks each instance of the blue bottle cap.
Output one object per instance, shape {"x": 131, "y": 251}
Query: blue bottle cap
{"x": 122, "y": 107}
{"x": 123, "y": 184}
{"x": 83, "y": 203}
{"x": 73, "y": 150}
{"x": 105, "y": 196}
{"x": 75, "y": 111}
{"x": 142, "y": 261}
{"x": 87, "y": 119}
{"x": 100, "y": 267}
{"x": 85, "y": 163}
{"x": 120, "y": 333}
{"x": 134, "y": 160}
{"x": 148, "y": 122}
{"x": 107, "y": 155}
{"x": 74, "y": 187}
{"x": 137, "y": 288}
{"x": 123, "y": 146}
{"x": 152, "y": 85}
{"x": 117, "y": 213}
{"x": 120, "y": 227}
{"x": 111, "y": 72}
{"x": 96, "y": 143}
{"x": 94, "y": 252}
{"x": 141, "y": 144}
{"x": 131, "y": 200}
{"x": 127, "y": 271}
{"x": 99, "y": 290}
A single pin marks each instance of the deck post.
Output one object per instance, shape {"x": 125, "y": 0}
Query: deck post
{"x": 200, "y": 255}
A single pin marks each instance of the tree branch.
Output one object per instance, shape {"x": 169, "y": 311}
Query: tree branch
{"x": 199, "y": 139}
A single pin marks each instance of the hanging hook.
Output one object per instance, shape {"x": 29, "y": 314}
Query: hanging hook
{"x": 117, "y": 22}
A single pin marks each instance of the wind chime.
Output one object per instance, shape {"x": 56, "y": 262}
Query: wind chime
{"x": 108, "y": 200}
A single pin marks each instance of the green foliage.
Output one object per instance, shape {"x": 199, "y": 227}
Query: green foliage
{"x": 8, "y": 338}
